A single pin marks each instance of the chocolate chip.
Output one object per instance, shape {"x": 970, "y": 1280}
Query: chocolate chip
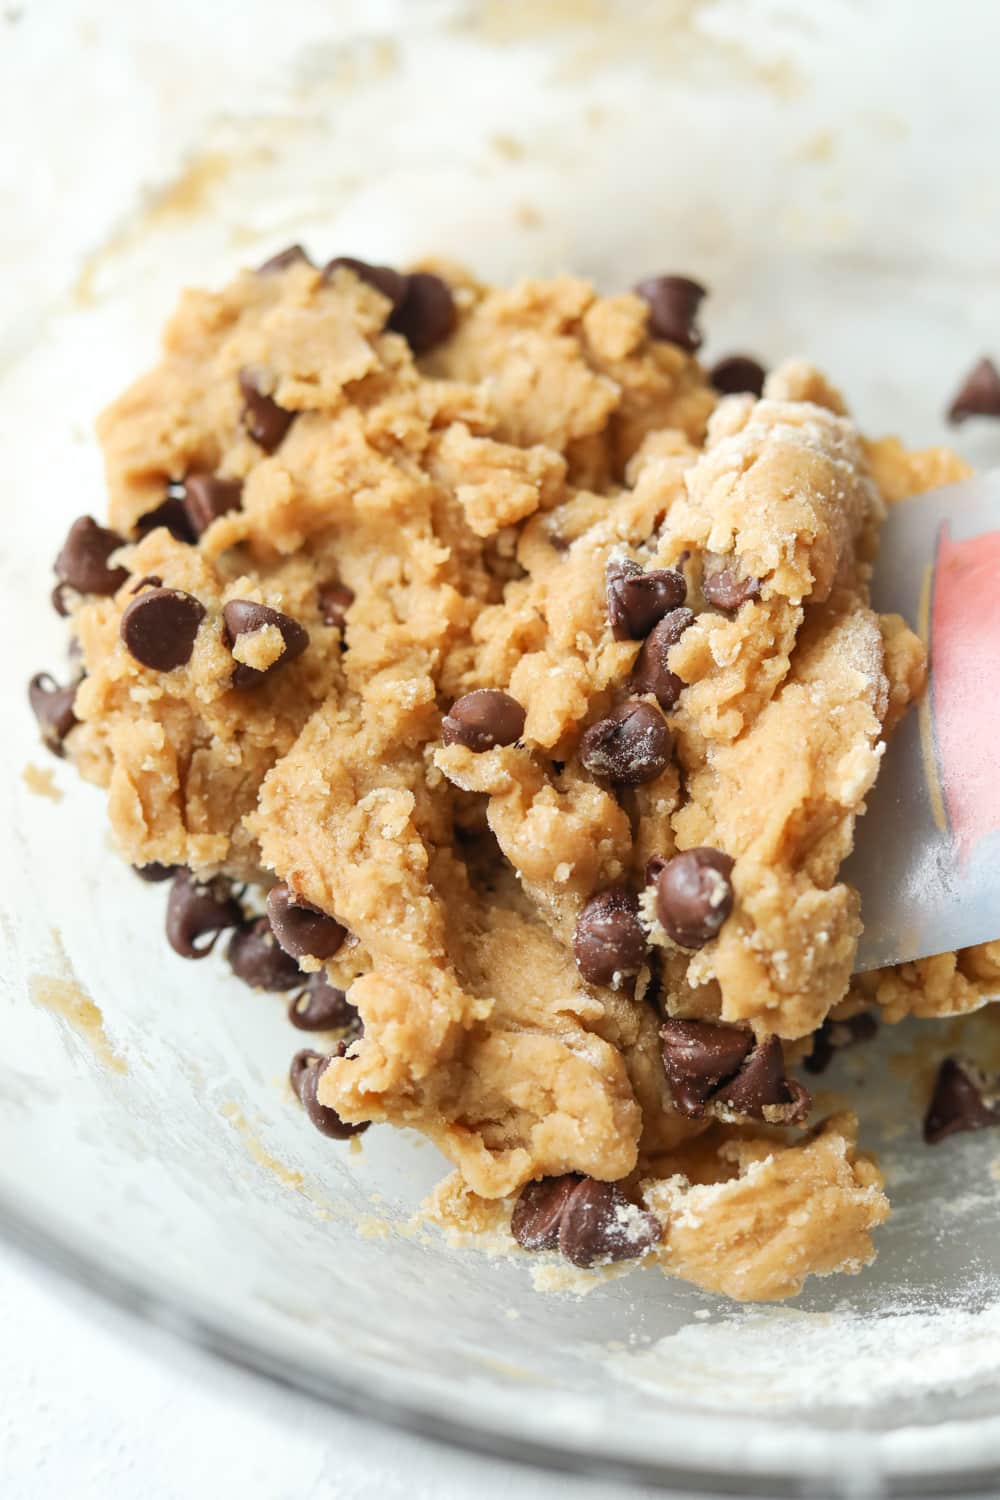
{"x": 725, "y": 589}
{"x": 673, "y": 306}
{"x": 304, "y": 1059}
{"x": 959, "y": 1102}
{"x": 207, "y": 497}
{"x": 599, "y": 1225}
{"x": 591, "y": 1222}
{"x": 483, "y": 719}
{"x": 654, "y": 992}
{"x": 264, "y": 419}
{"x": 301, "y": 928}
{"x": 52, "y": 707}
{"x": 651, "y": 674}
{"x": 321, "y": 1007}
{"x": 255, "y": 957}
{"x": 304, "y": 1074}
{"x": 392, "y": 284}
{"x": 293, "y": 255}
{"x": 833, "y": 1036}
{"x": 637, "y": 601}
{"x": 630, "y": 746}
{"x": 244, "y": 617}
{"x": 196, "y": 908}
{"x": 539, "y": 1209}
{"x": 154, "y": 872}
{"x": 172, "y": 515}
{"x": 979, "y": 393}
{"x": 427, "y": 315}
{"x": 737, "y": 373}
{"x": 609, "y": 939}
{"x": 159, "y": 628}
{"x": 699, "y": 1056}
{"x": 83, "y": 558}
{"x": 761, "y": 1091}
{"x": 61, "y": 597}
{"x": 334, "y": 599}
{"x": 694, "y": 896}
{"x": 148, "y": 581}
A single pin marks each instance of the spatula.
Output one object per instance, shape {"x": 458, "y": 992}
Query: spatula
{"x": 927, "y": 853}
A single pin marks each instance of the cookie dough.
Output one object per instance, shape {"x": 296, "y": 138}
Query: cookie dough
{"x": 461, "y": 616}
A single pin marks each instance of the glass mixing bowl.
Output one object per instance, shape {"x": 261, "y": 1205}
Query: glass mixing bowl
{"x": 830, "y": 173}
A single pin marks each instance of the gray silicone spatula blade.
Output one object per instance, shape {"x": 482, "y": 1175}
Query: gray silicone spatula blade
{"x": 927, "y": 852}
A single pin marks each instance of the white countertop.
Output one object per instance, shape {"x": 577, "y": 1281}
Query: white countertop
{"x": 97, "y": 1407}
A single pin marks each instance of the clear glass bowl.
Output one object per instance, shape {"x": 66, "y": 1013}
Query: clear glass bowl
{"x": 830, "y": 174}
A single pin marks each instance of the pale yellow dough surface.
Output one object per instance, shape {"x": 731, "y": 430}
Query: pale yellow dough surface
{"x": 471, "y": 501}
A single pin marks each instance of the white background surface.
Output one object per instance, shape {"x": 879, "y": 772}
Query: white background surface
{"x": 95, "y": 1407}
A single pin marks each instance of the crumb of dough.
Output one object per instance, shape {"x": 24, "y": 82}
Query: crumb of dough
{"x": 949, "y": 984}
{"x": 466, "y": 1219}
{"x": 40, "y": 782}
{"x": 467, "y": 504}
{"x": 563, "y": 1279}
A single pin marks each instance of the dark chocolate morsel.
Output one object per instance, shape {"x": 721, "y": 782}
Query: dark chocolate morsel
{"x": 599, "y": 1225}
{"x": 292, "y": 255}
{"x": 154, "y": 872}
{"x": 391, "y": 283}
{"x": 698, "y": 1057}
{"x": 978, "y": 395}
{"x": 196, "y": 909}
{"x": 694, "y": 896}
{"x": 761, "y": 1091}
{"x": 334, "y": 600}
{"x": 833, "y": 1036}
{"x": 171, "y": 514}
{"x": 483, "y": 719}
{"x": 426, "y": 315}
{"x": 244, "y": 617}
{"x": 256, "y": 958}
{"x": 305, "y": 1073}
{"x": 321, "y": 1006}
{"x": 83, "y": 559}
{"x": 637, "y": 601}
{"x": 538, "y": 1211}
{"x": 61, "y": 596}
{"x": 724, "y": 588}
{"x": 673, "y": 303}
{"x": 651, "y": 674}
{"x": 207, "y": 497}
{"x": 592, "y": 1222}
{"x": 303, "y": 930}
{"x": 52, "y": 707}
{"x": 609, "y": 940}
{"x": 264, "y": 419}
{"x": 962, "y": 1100}
{"x": 159, "y": 628}
{"x": 306, "y": 1057}
{"x": 736, "y": 374}
{"x": 631, "y": 746}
